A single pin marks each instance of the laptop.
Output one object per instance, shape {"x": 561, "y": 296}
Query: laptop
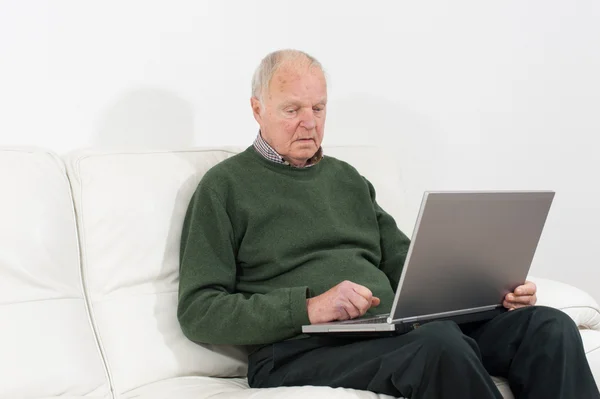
{"x": 469, "y": 249}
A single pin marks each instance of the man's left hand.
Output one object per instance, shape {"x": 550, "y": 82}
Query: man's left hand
{"x": 524, "y": 295}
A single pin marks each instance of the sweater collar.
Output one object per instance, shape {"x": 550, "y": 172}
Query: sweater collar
{"x": 264, "y": 149}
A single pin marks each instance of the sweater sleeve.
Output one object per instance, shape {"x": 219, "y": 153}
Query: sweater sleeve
{"x": 394, "y": 243}
{"x": 209, "y": 309}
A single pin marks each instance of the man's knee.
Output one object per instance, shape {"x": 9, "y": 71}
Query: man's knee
{"x": 548, "y": 313}
{"x": 552, "y": 322}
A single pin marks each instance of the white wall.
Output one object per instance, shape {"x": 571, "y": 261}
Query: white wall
{"x": 473, "y": 94}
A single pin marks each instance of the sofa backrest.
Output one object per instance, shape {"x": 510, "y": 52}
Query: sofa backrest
{"x": 130, "y": 208}
{"x": 48, "y": 346}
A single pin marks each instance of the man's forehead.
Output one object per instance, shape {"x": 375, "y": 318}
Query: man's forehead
{"x": 296, "y": 83}
{"x": 292, "y": 100}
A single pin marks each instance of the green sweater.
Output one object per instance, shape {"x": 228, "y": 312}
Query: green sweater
{"x": 259, "y": 238}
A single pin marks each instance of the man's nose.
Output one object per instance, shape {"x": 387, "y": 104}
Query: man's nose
{"x": 307, "y": 120}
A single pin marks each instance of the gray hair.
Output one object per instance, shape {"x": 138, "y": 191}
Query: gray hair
{"x": 271, "y": 63}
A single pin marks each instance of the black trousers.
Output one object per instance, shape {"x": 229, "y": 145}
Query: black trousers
{"x": 538, "y": 349}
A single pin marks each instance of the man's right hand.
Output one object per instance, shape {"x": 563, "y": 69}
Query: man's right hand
{"x": 345, "y": 301}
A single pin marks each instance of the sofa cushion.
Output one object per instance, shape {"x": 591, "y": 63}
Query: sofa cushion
{"x": 237, "y": 388}
{"x": 47, "y": 346}
{"x": 578, "y": 304}
{"x": 130, "y": 208}
{"x": 591, "y": 344}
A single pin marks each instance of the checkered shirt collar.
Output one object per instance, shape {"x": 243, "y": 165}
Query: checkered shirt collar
{"x": 264, "y": 149}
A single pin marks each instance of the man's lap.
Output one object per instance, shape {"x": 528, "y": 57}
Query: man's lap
{"x": 334, "y": 360}
{"x": 343, "y": 362}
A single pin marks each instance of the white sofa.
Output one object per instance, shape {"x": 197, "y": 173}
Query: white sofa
{"x": 89, "y": 247}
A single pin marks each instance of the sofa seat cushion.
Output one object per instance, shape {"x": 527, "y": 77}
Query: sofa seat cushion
{"x": 77, "y": 397}
{"x": 237, "y": 388}
{"x": 591, "y": 344}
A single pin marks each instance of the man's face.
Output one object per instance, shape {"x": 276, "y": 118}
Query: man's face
{"x": 292, "y": 115}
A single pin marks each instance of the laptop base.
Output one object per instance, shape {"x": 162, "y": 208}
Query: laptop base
{"x": 403, "y": 328}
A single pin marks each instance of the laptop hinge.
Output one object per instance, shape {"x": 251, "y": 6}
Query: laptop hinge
{"x": 443, "y": 314}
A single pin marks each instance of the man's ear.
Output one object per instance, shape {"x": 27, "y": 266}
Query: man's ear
{"x": 256, "y": 109}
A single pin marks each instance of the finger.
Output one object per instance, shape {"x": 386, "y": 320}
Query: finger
{"x": 511, "y": 304}
{"x": 375, "y": 301}
{"x": 342, "y": 313}
{"x": 528, "y": 288}
{"x": 360, "y": 303}
{"x": 514, "y": 305}
{"x": 347, "y": 288}
{"x": 363, "y": 291}
{"x": 348, "y": 307}
{"x": 532, "y": 285}
{"x": 352, "y": 310}
{"x": 519, "y": 306}
{"x": 520, "y": 299}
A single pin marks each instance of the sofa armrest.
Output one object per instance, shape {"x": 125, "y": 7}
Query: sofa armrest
{"x": 578, "y": 304}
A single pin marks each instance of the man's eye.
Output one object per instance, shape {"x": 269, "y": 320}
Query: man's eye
{"x": 290, "y": 111}
{"x": 317, "y": 109}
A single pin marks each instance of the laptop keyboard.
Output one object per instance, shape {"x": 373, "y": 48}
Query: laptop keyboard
{"x": 372, "y": 320}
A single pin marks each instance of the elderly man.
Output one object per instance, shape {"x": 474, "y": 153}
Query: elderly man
{"x": 281, "y": 235}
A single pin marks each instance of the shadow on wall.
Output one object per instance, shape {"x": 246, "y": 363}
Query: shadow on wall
{"x": 417, "y": 138}
{"x": 362, "y": 118}
{"x": 147, "y": 118}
